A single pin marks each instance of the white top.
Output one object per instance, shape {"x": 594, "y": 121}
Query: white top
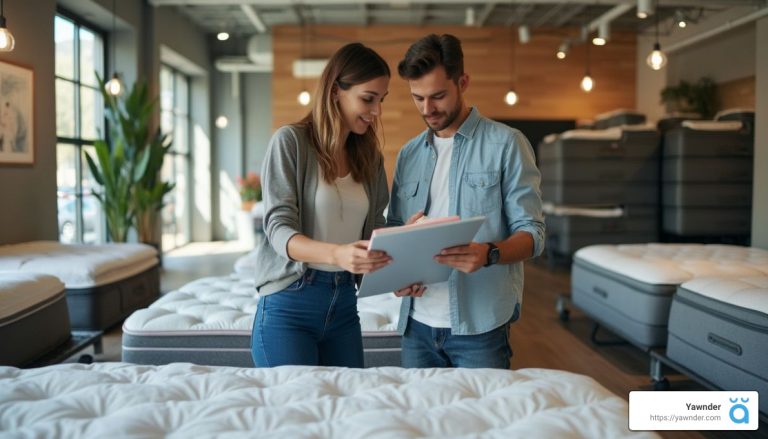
{"x": 710, "y": 125}
{"x": 341, "y": 208}
{"x": 226, "y": 305}
{"x": 673, "y": 264}
{"x": 730, "y": 111}
{"x": 745, "y": 292}
{"x": 434, "y": 307}
{"x": 79, "y": 265}
{"x": 189, "y": 400}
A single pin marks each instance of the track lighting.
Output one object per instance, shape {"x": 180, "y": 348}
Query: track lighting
{"x": 680, "y": 19}
{"x": 524, "y": 34}
{"x": 222, "y": 36}
{"x": 644, "y": 8}
{"x": 603, "y": 34}
{"x": 562, "y": 51}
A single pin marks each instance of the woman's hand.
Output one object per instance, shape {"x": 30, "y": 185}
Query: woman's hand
{"x": 356, "y": 258}
{"x": 415, "y": 218}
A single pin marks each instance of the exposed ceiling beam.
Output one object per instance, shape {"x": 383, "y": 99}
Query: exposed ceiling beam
{"x": 253, "y": 16}
{"x": 366, "y": 19}
{"x": 566, "y": 17}
{"x": 284, "y": 3}
{"x": 547, "y": 15}
{"x": 611, "y": 15}
{"x": 519, "y": 15}
{"x": 484, "y": 14}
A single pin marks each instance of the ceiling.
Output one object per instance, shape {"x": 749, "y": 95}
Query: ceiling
{"x": 247, "y": 17}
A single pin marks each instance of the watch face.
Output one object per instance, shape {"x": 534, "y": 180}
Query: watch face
{"x": 494, "y": 256}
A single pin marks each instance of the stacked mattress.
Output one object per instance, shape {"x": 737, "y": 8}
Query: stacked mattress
{"x": 599, "y": 169}
{"x": 33, "y": 316}
{"x": 718, "y": 329}
{"x": 104, "y": 283}
{"x": 185, "y": 400}
{"x": 629, "y": 288}
{"x": 707, "y": 179}
{"x": 618, "y": 118}
{"x": 674, "y": 120}
{"x": 209, "y": 321}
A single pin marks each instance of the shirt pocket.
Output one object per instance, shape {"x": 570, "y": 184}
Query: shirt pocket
{"x": 408, "y": 190}
{"x": 481, "y": 192}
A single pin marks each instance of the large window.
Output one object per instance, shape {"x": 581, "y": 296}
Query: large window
{"x": 79, "y": 121}
{"x": 174, "y": 120}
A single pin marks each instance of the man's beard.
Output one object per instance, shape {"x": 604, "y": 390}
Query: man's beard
{"x": 450, "y": 118}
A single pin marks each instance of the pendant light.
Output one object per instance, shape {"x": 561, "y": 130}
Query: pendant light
{"x": 304, "y": 97}
{"x": 587, "y": 84}
{"x": 511, "y": 97}
{"x": 114, "y": 86}
{"x": 7, "y": 41}
{"x": 656, "y": 59}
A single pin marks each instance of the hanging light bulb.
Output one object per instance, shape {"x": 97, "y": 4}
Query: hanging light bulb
{"x": 114, "y": 86}
{"x": 587, "y": 83}
{"x": 7, "y": 41}
{"x": 656, "y": 59}
{"x": 304, "y": 98}
{"x": 510, "y": 98}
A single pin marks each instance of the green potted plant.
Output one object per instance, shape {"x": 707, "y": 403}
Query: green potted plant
{"x": 250, "y": 190}
{"x": 129, "y": 172}
{"x": 686, "y": 97}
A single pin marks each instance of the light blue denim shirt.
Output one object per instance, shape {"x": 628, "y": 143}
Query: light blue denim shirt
{"x": 492, "y": 173}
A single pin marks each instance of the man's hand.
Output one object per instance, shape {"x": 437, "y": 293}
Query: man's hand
{"x": 415, "y": 218}
{"x": 415, "y": 290}
{"x": 465, "y": 258}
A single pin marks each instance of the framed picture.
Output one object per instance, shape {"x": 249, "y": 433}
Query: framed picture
{"x": 17, "y": 143}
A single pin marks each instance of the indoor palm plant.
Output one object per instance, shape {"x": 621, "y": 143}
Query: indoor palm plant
{"x": 687, "y": 97}
{"x": 129, "y": 172}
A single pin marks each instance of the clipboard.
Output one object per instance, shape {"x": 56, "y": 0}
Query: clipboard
{"x": 412, "y": 249}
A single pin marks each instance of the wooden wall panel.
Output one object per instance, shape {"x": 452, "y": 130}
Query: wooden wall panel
{"x": 739, "y": 93}
{"x": 548, "y": 88}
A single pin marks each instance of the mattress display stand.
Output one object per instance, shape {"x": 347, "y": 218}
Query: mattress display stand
{"x": 564, "y": 313}
{"x": 660, "y": 382}
{"x": 78, "y": 342}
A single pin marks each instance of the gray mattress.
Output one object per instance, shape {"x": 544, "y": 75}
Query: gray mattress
{"x": 617, "y": 119}
{"x": 707, "y": 170}
{"x": 634, "y": 310}
{"x": 632, "y": 145}
{"x": 32, "y": 331}
{"x": 600, "y": 193}
{"x": 721, "y": 195}
{"x": 723, "y": 342}
{"x": 707, "y": 221}
{"x": 568, "y": 233}
{"x": 686, "y": 142}
{"x": 106, "y": 305}
{"x": 629, "y": 171}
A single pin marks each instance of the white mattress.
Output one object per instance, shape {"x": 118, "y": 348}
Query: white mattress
{"x": 246, "y": 264}
{"x": 710, "y": 125}
{"x": 597, "y": 211}
{"x": 673, "y": 264}
{"x": 184, "y": 400}
{"x": 618, "y": 112}
{"x": 227, "y": 305}
{"x": 79, "y": 265}
{"x": 24, "y": 291}
{"x": 745, "y": 292}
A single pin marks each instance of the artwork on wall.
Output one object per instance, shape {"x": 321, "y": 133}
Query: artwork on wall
{"x": 17, "y": 144}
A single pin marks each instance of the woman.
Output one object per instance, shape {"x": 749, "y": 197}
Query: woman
{"x": 325, "y": 191}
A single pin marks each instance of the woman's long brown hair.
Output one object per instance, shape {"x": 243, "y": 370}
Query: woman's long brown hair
{"x": 351, "y": 65}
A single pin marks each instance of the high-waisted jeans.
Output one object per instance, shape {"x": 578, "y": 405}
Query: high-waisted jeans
{"x": 313, "y": 321}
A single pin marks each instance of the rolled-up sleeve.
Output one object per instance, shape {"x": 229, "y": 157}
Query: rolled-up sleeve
{"x": 382, "y": 196}
{"x": 280, "y": 190}
{"x": 522, "y": 194}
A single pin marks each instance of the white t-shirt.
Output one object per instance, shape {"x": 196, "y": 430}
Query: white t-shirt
{"x": 434, "y": 307}
{"x": 341, "y": 209}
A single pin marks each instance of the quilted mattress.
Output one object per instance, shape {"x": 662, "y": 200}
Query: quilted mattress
{"x": 184, "y": 400}
{"x": 104, "y": 283}
{"x": 209, "y": 321}
{"x": 618, "y": 117}
{"x": 33, "y": 316}
{"x": 718, "y": 329}
{"x": 629, "y": 288}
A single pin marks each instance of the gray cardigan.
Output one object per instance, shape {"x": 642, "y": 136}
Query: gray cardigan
{"x": 289, "y": 182}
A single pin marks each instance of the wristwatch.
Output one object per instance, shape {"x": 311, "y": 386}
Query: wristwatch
{"x": 493, "y": 255}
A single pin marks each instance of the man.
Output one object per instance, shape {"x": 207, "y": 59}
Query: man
{"x": 464, "y": 164}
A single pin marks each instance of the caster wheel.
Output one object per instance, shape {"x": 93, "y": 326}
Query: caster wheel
{"x": 85, "y": 359}
{"x": 565, "y": 315}
{"x": 662, "y": 384}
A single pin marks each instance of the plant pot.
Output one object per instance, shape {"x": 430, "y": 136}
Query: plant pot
{"x": 247, "y": 205}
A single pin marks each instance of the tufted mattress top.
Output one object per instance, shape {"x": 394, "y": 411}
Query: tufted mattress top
{"x": 226, "y": 305}
{"x": 21, "y": 293}
{"x": 184, "y": 400}
{"x": 79, "y": 265}
{"x": 744, "y": 292}
{"x": 673, "y": 264}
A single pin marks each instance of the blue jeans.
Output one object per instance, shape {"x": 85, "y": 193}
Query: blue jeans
{"x": 312, "y": 322}
{"x": 425, "y": 346}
